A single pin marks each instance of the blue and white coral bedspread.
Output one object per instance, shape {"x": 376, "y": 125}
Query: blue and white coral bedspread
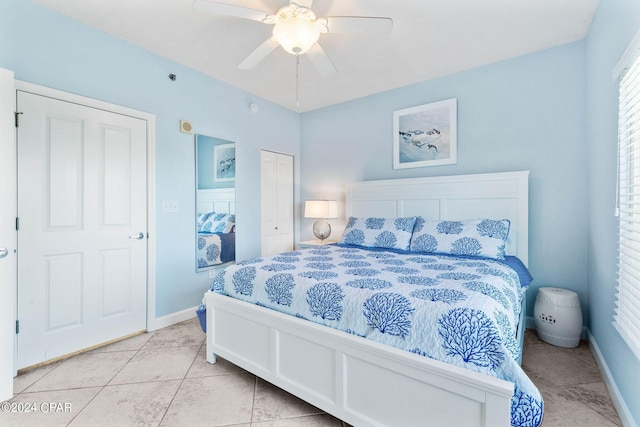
{"x": 458, "y": 310}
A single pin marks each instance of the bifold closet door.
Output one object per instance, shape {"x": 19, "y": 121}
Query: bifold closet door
{"x": 276, "y": 172}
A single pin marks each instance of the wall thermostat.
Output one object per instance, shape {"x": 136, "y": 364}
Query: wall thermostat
{"x": 185, "y": 126}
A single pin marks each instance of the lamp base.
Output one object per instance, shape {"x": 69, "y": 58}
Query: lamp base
{"x": 321, "y": 229}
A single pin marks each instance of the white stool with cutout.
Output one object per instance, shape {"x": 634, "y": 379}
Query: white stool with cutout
{"x": 558, "y": 317}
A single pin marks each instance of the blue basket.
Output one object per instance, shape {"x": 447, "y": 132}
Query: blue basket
{"x": 202, "y": 317}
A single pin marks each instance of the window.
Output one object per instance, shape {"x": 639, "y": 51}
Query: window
{"x": 627, "y": 313}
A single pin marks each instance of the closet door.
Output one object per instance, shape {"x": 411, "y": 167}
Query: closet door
{"x": 276, "y": 172}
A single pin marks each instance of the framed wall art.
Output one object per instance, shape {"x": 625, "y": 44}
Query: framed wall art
{"x": 425, "y": 135}
{"x": 224, "y": 162}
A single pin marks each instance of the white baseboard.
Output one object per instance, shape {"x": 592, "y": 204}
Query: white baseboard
{"x": 172, "y": 319}
{"x": 616, "y": 397}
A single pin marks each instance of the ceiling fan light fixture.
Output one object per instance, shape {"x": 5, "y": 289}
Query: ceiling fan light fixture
{"x": 296, "y": 34}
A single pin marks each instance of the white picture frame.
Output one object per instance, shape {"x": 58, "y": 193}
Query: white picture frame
{"x": 224, "y": 163}
{"x": 426, "y": 135}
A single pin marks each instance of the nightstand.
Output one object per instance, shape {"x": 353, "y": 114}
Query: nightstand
{"x": 314, "y": 243}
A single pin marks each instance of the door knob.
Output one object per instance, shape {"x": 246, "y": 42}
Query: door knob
{"x": 4, "y": 252}
{"x": 138, "y": 236}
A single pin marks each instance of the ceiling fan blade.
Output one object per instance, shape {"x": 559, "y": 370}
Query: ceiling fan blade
{"x": 258, "y": 55}
{"x": 321, "y": 61}
{"x": 217, "y": 8}
{"x": 305, "y": 4}
{"x": 359, "y": 24}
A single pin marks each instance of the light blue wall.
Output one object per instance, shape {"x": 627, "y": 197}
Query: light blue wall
{"x": 526, "y": 113}
{"x": 48, "y": 49}
{"x": 615, "y": 24}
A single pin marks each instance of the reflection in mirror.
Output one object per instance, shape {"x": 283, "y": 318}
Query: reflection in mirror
{"x": 215, "y": 202}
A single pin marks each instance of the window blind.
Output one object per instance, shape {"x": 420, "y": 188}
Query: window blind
{"x": 627, "y": 311}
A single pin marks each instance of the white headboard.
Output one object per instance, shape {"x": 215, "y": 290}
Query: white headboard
{"x": 493, "y": 195}
{"x": 220, "y": 200}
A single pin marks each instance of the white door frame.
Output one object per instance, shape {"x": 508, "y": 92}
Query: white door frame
{"x": 151, "y": 173}
{"x": 8, "y": 190}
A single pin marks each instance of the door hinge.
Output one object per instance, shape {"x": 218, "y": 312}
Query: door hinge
{"x": 17, "y": 117}
{"x": 17, "y": 224}
{"x": 17, "y": 327}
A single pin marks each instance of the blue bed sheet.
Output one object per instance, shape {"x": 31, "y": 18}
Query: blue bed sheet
{"x": 462, "y": 311}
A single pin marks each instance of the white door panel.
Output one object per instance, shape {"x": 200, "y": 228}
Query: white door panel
{"x": 82, "y": 193}
{"x": 276, "y": 177}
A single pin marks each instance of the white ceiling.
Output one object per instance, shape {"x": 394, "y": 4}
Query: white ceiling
{"x": 430, "y": 38}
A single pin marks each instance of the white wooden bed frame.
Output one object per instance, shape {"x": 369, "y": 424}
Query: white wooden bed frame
{"x": 359, "y": 381}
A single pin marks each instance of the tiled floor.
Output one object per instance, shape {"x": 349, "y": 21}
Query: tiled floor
{"x": 571, "y": 384}
{"x": 162, "y": 379}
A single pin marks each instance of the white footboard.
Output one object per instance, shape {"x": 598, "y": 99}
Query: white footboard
{"x": 362, "y": 382}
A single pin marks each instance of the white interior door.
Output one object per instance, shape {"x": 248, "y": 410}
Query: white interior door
{"x": 276, "y": 174}
{"x": 7, "y": 233}
{"x": 284, "y": 206}
{"x": 82, "y": 250}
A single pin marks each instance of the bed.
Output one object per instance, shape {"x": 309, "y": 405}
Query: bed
{"x": 215, "y": 228}
{"x": 356, "y": 373}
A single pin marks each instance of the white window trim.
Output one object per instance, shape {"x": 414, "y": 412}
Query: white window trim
{"x": 627, "y": 311}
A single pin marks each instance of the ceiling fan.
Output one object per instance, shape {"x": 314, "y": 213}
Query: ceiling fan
{"x": 297, "y": 29}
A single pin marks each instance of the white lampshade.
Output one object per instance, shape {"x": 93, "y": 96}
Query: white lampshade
{"x": 296, "y": 35}
{"x": 325, "y": 209}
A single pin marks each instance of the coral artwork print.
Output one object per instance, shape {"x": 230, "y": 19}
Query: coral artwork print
{"x": 447, "y": 296}
{"x": 466, "y": 246}
{"x": 374, "y": 223}
{"x": 449, "y": 227}
{"x": 354, "y": 237}
{"x": 424, "y": 243}
{"x": 243, "y": 280}
{"x": 372, "y": 284}
{"x": 325, "y": 301}
{"x": 525, "y": 410}
{"x": 386, "y": 239}
{"x": 279, "y": 287}
{"x": 390, "y": 313}
{"x": 492, "y": 228}
{"x": 405, "y": 224}
{"x": 470, "y": 335}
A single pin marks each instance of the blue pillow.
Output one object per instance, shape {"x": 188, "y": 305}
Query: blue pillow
{"x": 389, "y": 233}
{"x": 480, "y": 237}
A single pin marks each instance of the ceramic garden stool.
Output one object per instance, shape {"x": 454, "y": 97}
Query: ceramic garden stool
{"x": 558, "y": 317}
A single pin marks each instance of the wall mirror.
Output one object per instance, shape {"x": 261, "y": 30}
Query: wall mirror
{"x": 215, "y": 202}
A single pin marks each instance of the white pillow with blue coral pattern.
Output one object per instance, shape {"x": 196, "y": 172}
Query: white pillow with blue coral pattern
{"x": 216, "y": 222}
{"x": 390, "y": 233}
{"x": 479, "y": 237}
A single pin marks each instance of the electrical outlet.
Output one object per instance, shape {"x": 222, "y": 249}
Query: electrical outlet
{"x": 170, "y": 206}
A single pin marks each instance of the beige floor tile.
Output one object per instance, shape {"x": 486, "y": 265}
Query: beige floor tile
{"x": 212, "y": 401}
{"x": 594, "y": 396}
{"x": 163, "y": 377}
{"x": 47, "y": 408}
{"x": 322, "y": 420}
{"x": 202, "y": 368}
{"x": 83, "y": 370}
{"x": 157, "y": 364}
{"x": 560, "y": 411}
{"x": 272, "y": 403}
{"x": 128, "y": 405}
{"x": 182, "y": 334}
{"x": 553, "y": 366}
{"x": 24, "y": 380}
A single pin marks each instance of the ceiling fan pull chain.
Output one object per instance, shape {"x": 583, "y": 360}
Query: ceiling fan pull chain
{"x": 297, "y": 80}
